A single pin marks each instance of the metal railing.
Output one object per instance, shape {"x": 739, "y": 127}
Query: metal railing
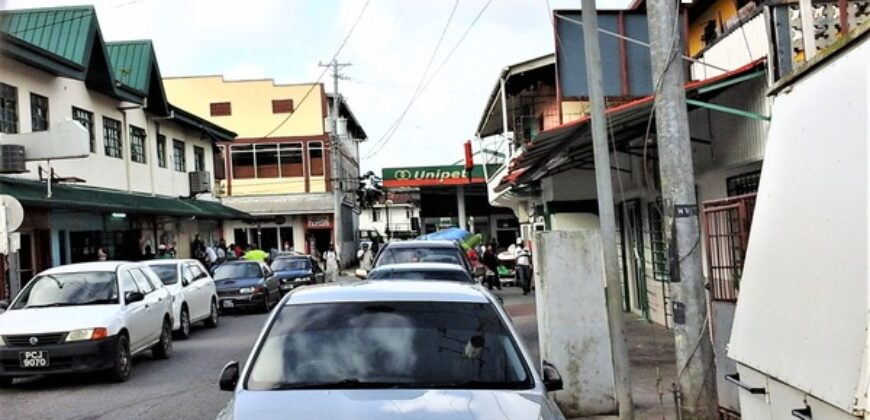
{"x": 727, "y": 223}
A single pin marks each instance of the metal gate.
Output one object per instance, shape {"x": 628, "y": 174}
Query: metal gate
{"x": 727, "y": 223}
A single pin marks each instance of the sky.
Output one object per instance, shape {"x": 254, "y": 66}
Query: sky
{"x": 389, "y": 50}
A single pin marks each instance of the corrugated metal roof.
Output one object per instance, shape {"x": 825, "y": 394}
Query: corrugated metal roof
{"x": 131, "y": 63}
{"x": 63, "y": 31}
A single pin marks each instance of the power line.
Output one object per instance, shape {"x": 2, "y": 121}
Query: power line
{"x": 323, "y": 73}
{"x": 438, "y": 70}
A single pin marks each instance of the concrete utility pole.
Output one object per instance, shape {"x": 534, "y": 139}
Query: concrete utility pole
{"x": 337, "y": 190}
{"x": 604, "y": 184}
{"x": 695, "y": 370}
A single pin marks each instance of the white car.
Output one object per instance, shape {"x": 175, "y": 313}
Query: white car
{"x": 389, "y": 350}
{"x": 194, "y": 296}
{"x": 83, "y": 318}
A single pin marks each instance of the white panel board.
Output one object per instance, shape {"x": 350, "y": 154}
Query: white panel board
{"x": 63, "y": 140}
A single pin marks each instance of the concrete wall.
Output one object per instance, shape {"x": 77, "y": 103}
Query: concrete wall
{"x": 63, "y": 94}
{"x": 575, "y": 337}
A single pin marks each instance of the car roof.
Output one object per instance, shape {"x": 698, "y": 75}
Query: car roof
{"x": 422, "y": 244}
{"x": 167, "y": 261}
{"x": 388, "y": 291}
{"x": 88, "y": 266}
{"x": 420, "y": 266}
{"x": 237, "y": 262}
{"x": 292, "y": 257}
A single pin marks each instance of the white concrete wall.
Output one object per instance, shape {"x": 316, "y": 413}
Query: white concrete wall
{"x": 98, "y": 169}
{"x": 398, "y": 216}
{"x": 740, "y": 47}
{"x": 575, "y": 337}
{"x": 574, "y": 221}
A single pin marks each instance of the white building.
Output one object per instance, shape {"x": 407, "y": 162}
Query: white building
{"x": 397, "y": 216}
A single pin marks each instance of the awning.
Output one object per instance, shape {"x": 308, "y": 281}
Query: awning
{"x": 69, "y": 197}
{"x": 570, "y": 145}
{"x": 288, "y": 204}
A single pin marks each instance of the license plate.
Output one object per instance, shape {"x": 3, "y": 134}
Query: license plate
{"x": 228, "y": 304}
{"x": 33, "y": 359}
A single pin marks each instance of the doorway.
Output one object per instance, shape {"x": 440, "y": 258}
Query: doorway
{"x": 318, "y": 240}
{"x": 634, "y": 256}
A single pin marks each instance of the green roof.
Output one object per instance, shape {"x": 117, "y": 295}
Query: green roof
{"x": 63, "y": 31}
{"x": 69, "y": 197}
{"x": 131, "y": 63}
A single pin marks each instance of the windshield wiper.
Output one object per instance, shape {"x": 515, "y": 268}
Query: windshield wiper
{"x": 349, "y": 383}
{"x": 471, "y": 385}
{"x": 97, "y": 302}
{"x": 49, "y": 305}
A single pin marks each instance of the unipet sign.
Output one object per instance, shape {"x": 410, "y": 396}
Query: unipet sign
{"x": 422, "y": 176}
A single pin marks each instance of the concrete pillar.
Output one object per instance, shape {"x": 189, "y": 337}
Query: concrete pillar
{"x": 460, "y": 207}
{"x": 572, "y": 319}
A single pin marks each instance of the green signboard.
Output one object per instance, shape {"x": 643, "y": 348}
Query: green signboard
{"x": 434, "y": 175}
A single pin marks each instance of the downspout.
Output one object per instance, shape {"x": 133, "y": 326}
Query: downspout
{"x": 504, "y": 116}
{"x": 125, "y": 139}
{"x": 151, "y": 161}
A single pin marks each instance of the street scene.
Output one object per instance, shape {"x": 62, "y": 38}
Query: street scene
{"x": 394, "y": 209}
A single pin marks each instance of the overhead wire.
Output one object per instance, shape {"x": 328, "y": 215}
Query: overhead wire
{"x": 323, "y": 73}
{"x": 388, "y": 135}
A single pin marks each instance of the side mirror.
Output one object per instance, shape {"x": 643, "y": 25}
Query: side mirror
{"x": 361, "y": 274}
{"x": 131, "y": 297}
{"x": 229, "y": 376}
{"x": 4, "y": 305}
{"x": 552, "y": 378}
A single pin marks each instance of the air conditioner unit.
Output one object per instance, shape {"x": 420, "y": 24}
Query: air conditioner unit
{"x": 12, "y": 159}
{"x": 200, "y": 182}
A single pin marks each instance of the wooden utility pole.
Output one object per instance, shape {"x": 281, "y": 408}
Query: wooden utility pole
{"x": 696, "y": 379}
{"x": 604, "y": 184}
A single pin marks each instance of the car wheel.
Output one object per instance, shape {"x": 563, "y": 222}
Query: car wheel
{"x": 120, "y": 372}
{"x": 163, "y": 348}
{"x": 184, "y": 331}
{"x": 212, "y": 320}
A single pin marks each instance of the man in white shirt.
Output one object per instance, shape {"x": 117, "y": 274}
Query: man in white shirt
{"x": 524, "y": 268}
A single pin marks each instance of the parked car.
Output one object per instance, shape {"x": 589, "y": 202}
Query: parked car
{"x": 194, "y": 295}
{"x": 246, "y": 284}
{"x": 409, "y": 349}
{"x": 421, "y": 271}
{"x": 295, "y": 271}
{"x": 85, "y": 317}
{"x": 420, "y": 251}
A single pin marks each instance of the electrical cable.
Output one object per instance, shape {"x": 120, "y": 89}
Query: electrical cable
{"x": 323, "y": 73}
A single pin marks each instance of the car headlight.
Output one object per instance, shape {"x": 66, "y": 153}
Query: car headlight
{"x": 87, "y": 334}
{"x": 249, "y": 290}
{"x": 301, "y": 279}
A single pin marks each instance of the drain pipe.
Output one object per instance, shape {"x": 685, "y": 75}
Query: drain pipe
{"x": 157, "y": 120}
{"x": 125, "y": 138}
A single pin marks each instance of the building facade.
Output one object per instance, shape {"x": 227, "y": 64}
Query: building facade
{"x": 279, "y": 168}
{"x": 132, "y": 189}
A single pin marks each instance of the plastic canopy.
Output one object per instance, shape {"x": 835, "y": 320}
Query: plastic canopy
{"x": 449, "y": 234}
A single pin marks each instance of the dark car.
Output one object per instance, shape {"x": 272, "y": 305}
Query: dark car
{"x": 446, "y": 252}
{"x": 246, "y": 284}
{"x": 421, "y": 271}
{"x": 296, "y": 270}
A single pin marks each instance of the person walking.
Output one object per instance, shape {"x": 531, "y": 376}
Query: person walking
{"x": 490, "y": 261}
{"x": 524, "y": 268}
{"x": 332, "y": 262}
{"x": 211, "y": 257}
{"x": 255, "y": 254}
{"x": 365, "y": 257}
{"x": 101, "y": 254}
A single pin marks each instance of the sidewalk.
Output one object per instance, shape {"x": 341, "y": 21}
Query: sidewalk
{"x": 650, "y": 351}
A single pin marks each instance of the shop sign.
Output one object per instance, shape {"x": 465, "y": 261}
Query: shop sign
{"x": 319, "y": 221}
{"x": 433, "y": 175}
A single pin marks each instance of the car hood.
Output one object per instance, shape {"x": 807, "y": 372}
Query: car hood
{"x": 64, "y": 318}
{"x": 284, "y": 274}
{"x": 237, "y": 283}
{"x": 386, "y": 404}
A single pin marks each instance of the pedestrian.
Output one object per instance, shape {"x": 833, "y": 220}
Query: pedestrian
{"x": 490, "y": 261}
{"x": 287, "y": 250}
{"x": 524, "y": 268}
{"x": 148, "y": 254}
{"x": 211, "y": 257}
{"x": 172, "y": 250}
{"x": 332, "y": 262}
{"x": 163, "y": 253}
{"x": 365, "y": 257}
{"x": 221, "y": 252}
{"x": 231, "y": 252}
{"x": 255, "y": 254}
{"x": 101, "y": 254}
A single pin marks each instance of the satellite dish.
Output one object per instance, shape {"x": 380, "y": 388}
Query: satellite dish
{"x": 14, "y": 211}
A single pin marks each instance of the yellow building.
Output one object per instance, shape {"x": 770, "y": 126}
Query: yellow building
{"x": 279, "y": 167}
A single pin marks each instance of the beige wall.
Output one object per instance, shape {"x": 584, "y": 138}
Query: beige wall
{"x": 251, "y": 102}
{"x": 572, "y": 110}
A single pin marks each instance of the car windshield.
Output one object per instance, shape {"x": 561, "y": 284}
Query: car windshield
{"x": 442, "y": 275}
{"x": 421, "y": 345}
{"x": 69, "y": 289}
{"x": 237, "y": 271}
{"x": 287, "y": 264}
{"x": 168, "y": 273}
{"x": 420, "y": 254}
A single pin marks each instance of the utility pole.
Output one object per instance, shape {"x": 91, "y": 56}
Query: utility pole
{"x": 337, "y": 190}
{"x": 604, "y": 184}
{"x": 696, "y": 381}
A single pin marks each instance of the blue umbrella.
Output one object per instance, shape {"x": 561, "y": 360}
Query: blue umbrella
{"x": 449, "y": 234}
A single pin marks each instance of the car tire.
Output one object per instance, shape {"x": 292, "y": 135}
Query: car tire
{"x": 163, "y": 348}
{"x": 213, "y": 315}
{"x": 120, "y": 371}
{"x": 184, "y": 322}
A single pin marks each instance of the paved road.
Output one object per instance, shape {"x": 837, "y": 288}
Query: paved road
{"x": 183, "y": 387}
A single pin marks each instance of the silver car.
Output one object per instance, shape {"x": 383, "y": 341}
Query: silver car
{"x": 389, "y": 350}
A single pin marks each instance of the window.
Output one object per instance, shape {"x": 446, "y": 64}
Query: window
{"x": 220, "y": 109}
{"x": 144, "y": 284}
{"x": 291, "y": 160}
{"x": 315, "y": 158}
{"x": 376, "y": 215}
{"x": 112, "y": 137}
{"x": 198, "y": 158}
{"x": 746, "y": 183}
{"x": 267, "y": 160}
{"x": 8, "y": 109}
{"x": 161, "y": 150}
{"x": 282, "y": 106}
{"x": 127, "y": 283}
{"x": 243, "y": 161}
{"x": 178, "y": 159}
{"x": 137, "y": 144}
{"x": 282, "y": 160}
{"x": 661, "y": 271}
{"x": 38, "y": 112}
{"x": 86, "y": 119}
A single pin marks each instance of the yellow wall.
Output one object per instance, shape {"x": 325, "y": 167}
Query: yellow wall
{"x": 572, "y": 110}
{"x": 317, "y": 184}
{"x": 251, "y": 102}
{"x": 720, "y": 11}
{"x": 263, "y": 186}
